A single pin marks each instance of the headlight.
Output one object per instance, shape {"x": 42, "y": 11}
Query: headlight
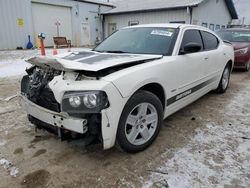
{"x": 75, "y": 101}
{"x": 84, "y": 102}
{"x": 90, "y": 100}
{"x": 241, "y": 51}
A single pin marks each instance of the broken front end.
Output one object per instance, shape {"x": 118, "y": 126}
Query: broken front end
{"x": 56, "y": 101}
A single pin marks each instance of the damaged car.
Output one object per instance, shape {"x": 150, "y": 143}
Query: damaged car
{"x": 121, "y": 91}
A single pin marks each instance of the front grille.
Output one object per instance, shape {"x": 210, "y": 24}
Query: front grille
{"x": 42, "y": 96}
{"x": 47, "y": 100}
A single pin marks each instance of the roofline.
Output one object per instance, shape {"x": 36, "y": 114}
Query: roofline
{"x": 229, "y": 3}
{"x": 231, "y": 8}
{"x": 96, "y": 3}
{"x": 148, "y": 10}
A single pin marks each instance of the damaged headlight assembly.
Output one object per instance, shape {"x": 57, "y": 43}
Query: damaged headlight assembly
{"x": 84, "y": 102}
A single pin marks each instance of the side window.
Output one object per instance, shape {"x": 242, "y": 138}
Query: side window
{"x": 192, "y": 36}
{"x": 210, "y": 41}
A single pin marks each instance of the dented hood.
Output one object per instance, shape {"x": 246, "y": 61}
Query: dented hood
{"x": 89, "y": 60}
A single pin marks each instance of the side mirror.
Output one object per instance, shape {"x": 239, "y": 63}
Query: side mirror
{"x": 190, "y": 48}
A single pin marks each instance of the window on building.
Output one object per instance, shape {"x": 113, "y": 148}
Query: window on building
{"x": 191, "y": 36}
{"x": 211, "y": 27}
{"x": 204, "y": 25}
{"x": 180, "y": 22}
{"x": 210, "y": 41}
{"x": 217, "y": 27}
{"x": 223, "y": 27}
{"x": 131, "y": 23}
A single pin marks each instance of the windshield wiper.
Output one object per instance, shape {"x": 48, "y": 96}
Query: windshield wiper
{"x": 115, "y": 51}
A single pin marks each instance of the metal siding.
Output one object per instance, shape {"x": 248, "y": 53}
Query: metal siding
{"x": 147, "y": 18}
{"x": 87, "y": 14}
{"x": 11, "y": 36}
{"x": 45, "y": 18}
{"x": 211, "y": 12}
{"x": 143, "y": 5}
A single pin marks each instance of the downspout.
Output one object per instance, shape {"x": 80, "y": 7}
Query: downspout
{"x": 191, "y": 14}
{"x": 103, "y": 27}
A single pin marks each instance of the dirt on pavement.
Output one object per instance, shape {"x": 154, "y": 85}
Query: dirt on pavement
{"x": 42, "y": 160}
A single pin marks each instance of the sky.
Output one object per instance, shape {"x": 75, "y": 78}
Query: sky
{"x": 243, "y": 9}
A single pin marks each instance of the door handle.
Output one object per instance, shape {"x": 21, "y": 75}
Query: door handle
{"x": 206, "y": 58}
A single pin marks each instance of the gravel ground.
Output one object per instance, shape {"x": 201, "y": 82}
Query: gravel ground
{"x": 207, "y": 144}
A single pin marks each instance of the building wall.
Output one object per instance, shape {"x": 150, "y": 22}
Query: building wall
{"x": 209, "y": 12}
{"x": 122, "y": 20}
{"x": 12, "y": 35}
{"x": 212, "y": 12}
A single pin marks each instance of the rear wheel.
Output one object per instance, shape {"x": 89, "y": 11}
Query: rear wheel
{"x": 247, "y": 66}
{"x": 140, "y": 122}
{"x": 224, "y": 82}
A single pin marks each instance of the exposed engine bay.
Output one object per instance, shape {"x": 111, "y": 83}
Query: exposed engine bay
{"x": 35, "y": 87}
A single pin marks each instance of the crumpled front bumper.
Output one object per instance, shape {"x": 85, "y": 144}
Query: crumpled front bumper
{"x": 60, "y": 120}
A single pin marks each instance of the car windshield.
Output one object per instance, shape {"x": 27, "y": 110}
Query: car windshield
{"x": 158, "y": 41}
{"x": 235, "y": 36}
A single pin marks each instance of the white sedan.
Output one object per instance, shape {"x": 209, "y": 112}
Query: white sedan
{"x": 121, "y": 91}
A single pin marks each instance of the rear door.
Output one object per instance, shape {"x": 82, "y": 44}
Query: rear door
{"x": 189, "y": 73}
{"x": 214, "y": 55}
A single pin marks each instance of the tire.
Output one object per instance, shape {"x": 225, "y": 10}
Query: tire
{"x": 140, "y": 122}
{"x": 224, "y": 82}
{"x": 247, "y": 66}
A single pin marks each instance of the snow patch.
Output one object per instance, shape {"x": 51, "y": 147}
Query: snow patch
{"x": 13, "y": 171}
{"x": 2, "y": 142}
{"x": 218, "y": 155}
{"x": 12, "y": 63}
{"x": 13, "y": 68}
{"x": 209, "y": 159}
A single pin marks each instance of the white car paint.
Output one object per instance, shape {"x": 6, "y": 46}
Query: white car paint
{"x": 94, "y": 61}
{"x": 178, "y": 75}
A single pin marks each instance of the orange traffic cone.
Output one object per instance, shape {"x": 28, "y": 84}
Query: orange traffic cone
{"x": 55, "y": 50}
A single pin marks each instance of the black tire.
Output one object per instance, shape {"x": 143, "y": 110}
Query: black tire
{"x": 138, "y": 98}
{"x": 222, "y": 89}
{"x": 247, "y": 66}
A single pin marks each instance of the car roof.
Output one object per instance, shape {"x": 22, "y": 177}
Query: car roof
{"x": 168, "y": 25}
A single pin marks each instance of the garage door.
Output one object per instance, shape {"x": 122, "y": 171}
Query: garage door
{"x": 46, "y": 18}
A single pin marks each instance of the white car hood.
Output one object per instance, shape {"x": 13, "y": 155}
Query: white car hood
{"x": 89, "y": 60}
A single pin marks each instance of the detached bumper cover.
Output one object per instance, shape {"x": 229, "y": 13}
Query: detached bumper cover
{"x": 55, "y": 119}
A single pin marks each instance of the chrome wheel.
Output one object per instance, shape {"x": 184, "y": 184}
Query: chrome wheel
{"x": 141, "y": 124}
{"x": 225, "y": 78}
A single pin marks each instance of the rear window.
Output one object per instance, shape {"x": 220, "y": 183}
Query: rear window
{"x": 210, "y": 41}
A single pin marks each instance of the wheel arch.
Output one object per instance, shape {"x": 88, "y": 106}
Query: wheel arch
{"x": 230, "y": 63}
{"x": 157, "y": 89}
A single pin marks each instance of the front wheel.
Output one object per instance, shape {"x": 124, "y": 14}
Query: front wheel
{"x": 140, "y": 122}
{"x": 224, "y": 82}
